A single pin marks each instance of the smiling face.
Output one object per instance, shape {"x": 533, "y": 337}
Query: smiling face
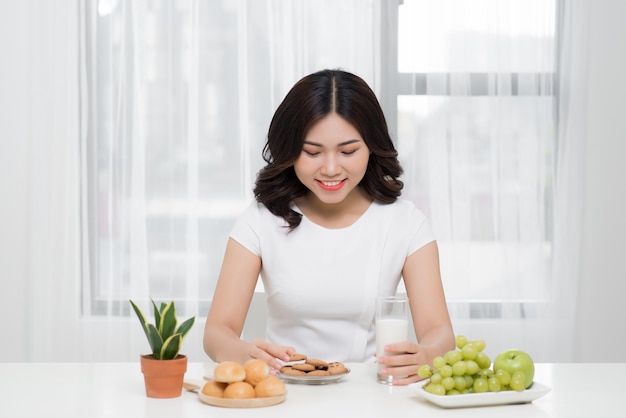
{"x": 333, "y": 160}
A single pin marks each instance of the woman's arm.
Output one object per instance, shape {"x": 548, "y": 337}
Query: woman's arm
{"x": 229, "y": 308}
{"x": 431, "y": 320}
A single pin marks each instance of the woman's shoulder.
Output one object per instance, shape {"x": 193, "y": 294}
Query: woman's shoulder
{"x": 257, "y": 213}
{"x": 406, "y": 221}
{"x": 400, "y": 208}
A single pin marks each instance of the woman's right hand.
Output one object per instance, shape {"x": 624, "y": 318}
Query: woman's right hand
{"x": 272, "y": 354}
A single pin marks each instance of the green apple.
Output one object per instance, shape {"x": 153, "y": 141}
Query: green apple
{"x": 516, "y": 361}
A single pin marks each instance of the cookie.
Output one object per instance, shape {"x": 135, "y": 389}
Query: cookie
{"x": 297, "y": 357}
{"x": 319, "y": 372}
{"x": 319, "y": 364}
{"x": 290, "y": 371}
{"x": 305, "y": 367}
{"x": 336, "y": 368}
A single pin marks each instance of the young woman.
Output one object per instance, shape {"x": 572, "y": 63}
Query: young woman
{"x": 327, "y": 234}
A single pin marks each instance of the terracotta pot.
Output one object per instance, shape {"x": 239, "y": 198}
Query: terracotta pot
{"x": 163, "y": 378}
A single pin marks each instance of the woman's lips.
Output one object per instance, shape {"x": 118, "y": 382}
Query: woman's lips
{"x": 331, "y": 186}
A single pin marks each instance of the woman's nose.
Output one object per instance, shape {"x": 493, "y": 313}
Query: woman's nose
{"x": 330, "y": 166}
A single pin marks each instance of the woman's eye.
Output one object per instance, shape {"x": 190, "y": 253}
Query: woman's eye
{"x": 348, "y": 152}
{"x": 311, "y": 153}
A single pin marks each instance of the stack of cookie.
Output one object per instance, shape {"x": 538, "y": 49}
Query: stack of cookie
{"x": 301, "y": 365}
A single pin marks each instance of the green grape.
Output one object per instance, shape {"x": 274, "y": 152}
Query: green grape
{"x": 448, "y": 383}
{"x": 467, "y": 369}
{"x": 439, "y": 362}
{"x": 472, "y": 367}
{"x": 446, "y": 371}
{"x": 459, "y": 382}
{"x": 435, "y": 388}
{"x": 486, "y": 373}
{"x": 459, "y": 368}
{"x": 436, "y": 378}
{"x": 518, "y": 381}
{"x": 453, "y": 356}
{"x": 481, "y": 385}
{"x": 503, "y": 376}
{"x": 460, "y": 341}
{"x": 494, "y": 384}
{"x": 424, "y": 371}
{"x": 483, "y": 360}
{"x": 479, "y": 344}
{"x": 469, "y": 351}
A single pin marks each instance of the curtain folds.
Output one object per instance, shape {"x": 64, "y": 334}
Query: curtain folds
{"x": 175, "y": 99}
{"x": 491, "y": 164}
{"x": 568, "y": 198}
{"x": 178, "y": 98}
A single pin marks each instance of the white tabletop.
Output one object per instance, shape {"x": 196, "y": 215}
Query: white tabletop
{"x": 117, "y": 390}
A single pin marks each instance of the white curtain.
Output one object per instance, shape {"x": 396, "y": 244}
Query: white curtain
{"x": 568, "y": 197}
{"x": 176, "y": 101}
{"x": 495, "y": 169}
{"x": 185, "y": 91}
{"x": 41, "y": 296}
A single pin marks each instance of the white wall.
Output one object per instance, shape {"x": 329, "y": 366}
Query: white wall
{"x": 601, "y": 335}
{"x": 603, "y": 285}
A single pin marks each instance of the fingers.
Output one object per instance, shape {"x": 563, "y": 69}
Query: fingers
{"x": 403, "y": 367}
{"x": 270, "y": 353}
{"x": 403, "y": 347}
{"x": 403, "y": 381}
{"x": 402, "y": 375}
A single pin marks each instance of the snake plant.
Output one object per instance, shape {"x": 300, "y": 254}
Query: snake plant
{"x": 164, "y": 337}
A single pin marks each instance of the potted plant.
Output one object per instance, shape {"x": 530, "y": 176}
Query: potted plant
{"x": 164, "y": 369}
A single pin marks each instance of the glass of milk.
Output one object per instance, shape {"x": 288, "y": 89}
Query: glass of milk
{"x": 392, "y": 326}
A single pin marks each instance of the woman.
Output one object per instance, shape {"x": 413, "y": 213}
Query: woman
{"x": 327, "y": 234}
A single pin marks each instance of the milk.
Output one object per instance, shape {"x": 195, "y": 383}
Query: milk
{"x": 390, "y": 331}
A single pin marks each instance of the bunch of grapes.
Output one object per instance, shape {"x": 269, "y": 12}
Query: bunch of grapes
{"x": 467, "y": 369}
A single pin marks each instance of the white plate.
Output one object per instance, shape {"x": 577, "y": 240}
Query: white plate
{"x": 312, "y": 380}
{"x": 535, "y": 391}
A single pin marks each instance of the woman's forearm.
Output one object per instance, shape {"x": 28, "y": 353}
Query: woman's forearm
{"x": 437, "y": 342}
{"x": 221, "y": 344}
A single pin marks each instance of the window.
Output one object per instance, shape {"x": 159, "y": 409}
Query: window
{"x": 177, "y": 97}
{"x": 476, "y": 128}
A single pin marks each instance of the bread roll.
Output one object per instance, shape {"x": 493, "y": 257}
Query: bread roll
{"x": 239, "y": 390}
{"x": 213, "y": 388}
{"x": 229, "y": 372}
{"x": 256, "y": 370}
{"x": 270, "y": 386}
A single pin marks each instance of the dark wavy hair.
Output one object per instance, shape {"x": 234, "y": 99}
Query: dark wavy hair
{"x": 309, "y": 100}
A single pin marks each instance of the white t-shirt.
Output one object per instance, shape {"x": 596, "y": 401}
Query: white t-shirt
{"x": 321, "y": 284}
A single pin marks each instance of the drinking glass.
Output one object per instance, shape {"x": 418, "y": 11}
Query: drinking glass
{"x": 392, "y": 325}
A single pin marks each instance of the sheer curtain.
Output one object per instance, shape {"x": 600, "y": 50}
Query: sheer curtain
{"x": 44, "y": 144}
{"x": 568, "y": 197}
{"x": 176, "y": 101}
{"x": 495, "y": 168}
{"x": 176, "y": 98}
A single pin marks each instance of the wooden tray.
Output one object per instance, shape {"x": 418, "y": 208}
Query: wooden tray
{"x": 242, "y": 403}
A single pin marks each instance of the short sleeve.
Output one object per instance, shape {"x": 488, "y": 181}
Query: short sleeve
{"x": 422, "y": 230}
{"x": 246, "y": 227}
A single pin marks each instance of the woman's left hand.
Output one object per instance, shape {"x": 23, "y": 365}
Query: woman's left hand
{"x": 402, "y": 361}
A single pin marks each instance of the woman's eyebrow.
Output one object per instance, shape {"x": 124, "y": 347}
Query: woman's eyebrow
{"x": 341, "y": 144}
